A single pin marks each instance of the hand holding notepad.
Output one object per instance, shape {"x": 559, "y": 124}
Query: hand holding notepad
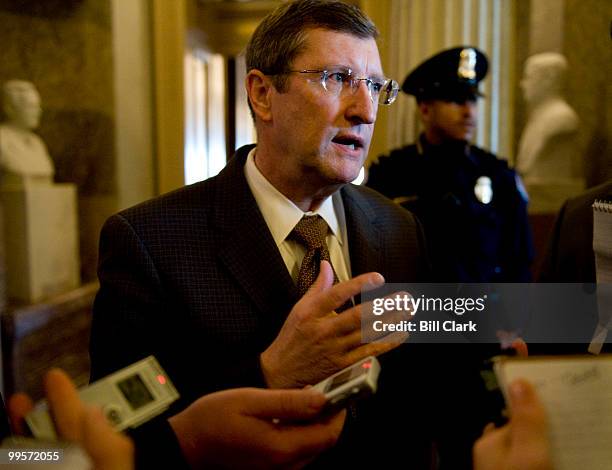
{"x": 576, "y": 392}
{"x": 522, "y": 443}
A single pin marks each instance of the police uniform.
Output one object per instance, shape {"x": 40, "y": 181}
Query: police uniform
{"x": 472, "y": 206}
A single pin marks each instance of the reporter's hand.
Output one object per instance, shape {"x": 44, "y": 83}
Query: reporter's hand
{"x": 76, "y": 422}
{"x": 254, "y": 428}
{"x": 314, "y": 342}
{"x": 523, "y": 443}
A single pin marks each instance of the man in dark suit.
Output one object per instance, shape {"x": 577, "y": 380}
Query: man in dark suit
{"x": 209, "y": 278}
{"x": 182, "y": 279}
{"x": 569, "y": 255}
{"x": 570, "y": 258}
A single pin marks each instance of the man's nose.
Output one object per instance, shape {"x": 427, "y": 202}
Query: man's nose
{"x": 361, "y": 109}
{"x": 469, "y": 108}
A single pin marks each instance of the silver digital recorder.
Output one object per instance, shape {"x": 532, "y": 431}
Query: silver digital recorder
{"x": 353, "y": 383}
{"x": 128, "y": 398}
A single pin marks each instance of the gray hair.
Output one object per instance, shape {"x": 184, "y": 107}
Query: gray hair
{"x": 280, "y": 37}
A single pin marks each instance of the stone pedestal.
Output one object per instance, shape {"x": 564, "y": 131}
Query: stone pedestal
{"x": 41, "y": 240}
{"x": 53, "y": 333}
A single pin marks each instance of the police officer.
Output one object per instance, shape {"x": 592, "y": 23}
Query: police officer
{"x": 472, "y": 206}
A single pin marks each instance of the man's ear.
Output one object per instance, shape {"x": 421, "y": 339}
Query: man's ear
{"x": 424, "y": 110}
{"x": 259, "y": 88}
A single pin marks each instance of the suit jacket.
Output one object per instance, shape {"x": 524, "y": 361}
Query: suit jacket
{"x": 569, "y": 256}
{"x": 195, "y": 278}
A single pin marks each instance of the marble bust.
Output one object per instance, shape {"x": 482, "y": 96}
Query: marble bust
{"x": 41, "y": 241}
{"x": 23, "y": 155}
{"x": 547, "y": 149}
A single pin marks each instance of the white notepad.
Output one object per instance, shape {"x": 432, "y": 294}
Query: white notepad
{"x": 602, "y": 246}
{"x": 577, "y": 394}
{"x": 602, "y": 240}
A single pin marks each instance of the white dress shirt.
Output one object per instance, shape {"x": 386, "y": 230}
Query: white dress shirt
{"x": 282, "y": 215}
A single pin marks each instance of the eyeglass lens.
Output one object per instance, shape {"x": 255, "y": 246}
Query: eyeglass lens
{"x": 384, "y": 92}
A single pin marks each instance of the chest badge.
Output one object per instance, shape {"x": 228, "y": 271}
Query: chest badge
{"x": 483, "y": 190}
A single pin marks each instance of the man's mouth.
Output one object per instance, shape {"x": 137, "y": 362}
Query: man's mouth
{"x": 352, "y": 142}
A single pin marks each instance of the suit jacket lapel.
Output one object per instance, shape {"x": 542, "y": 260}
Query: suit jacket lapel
{"x": 249, "y": 251}
{"x": 364, "y": 234}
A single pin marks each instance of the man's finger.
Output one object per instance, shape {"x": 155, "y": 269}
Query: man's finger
{"x": 19, "y": 405}
{"x": 370, "y": 349}
{"x": 309, "y": 440}
{"x": 362, "y": 316}
{"x": 324, "y": 280}
{"x": 338, "y": 294}
{"x": 108, "y": 449}
{"x": 391, "y": 325}
{"x": 490, "y": 427}
{"x": 291, "y": 405}
{"x": 348, "y": 322}
{"x": 65, "y": 405}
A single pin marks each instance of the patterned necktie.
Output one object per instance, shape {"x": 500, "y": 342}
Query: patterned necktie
{"x": 311, "y": 232}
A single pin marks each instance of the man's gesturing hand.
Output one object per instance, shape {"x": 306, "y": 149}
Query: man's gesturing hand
{"x": 314, "y": 341}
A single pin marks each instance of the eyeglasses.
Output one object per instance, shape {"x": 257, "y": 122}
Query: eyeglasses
{"x": 340, "y": 80}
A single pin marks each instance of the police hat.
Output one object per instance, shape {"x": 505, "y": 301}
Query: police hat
{"x": 451, "y": 75}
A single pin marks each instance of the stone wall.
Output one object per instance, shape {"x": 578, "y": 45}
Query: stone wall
{"x": 588, "y": 47}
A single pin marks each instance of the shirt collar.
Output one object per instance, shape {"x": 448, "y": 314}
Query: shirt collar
{"x": 279, "y": 212}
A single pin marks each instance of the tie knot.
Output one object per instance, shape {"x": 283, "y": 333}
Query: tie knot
{"x": 311, "y": 231}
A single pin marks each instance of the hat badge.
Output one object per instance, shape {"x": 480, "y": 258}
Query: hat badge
{"x": 467, "y": 64}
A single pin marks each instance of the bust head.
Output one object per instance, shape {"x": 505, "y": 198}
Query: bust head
{"x": 543, "y": 76}
{"x": 21, "y": 104}
{"x": 23, "y": 154}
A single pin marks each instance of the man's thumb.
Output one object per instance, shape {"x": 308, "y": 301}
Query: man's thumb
{"x": 324, "y": 280}
{"x": 528, "y": 413}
